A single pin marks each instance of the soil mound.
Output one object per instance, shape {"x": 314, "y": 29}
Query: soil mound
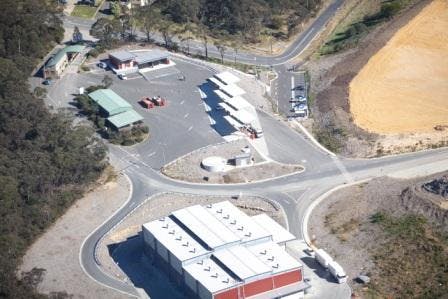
{"x": 403, "y": 87}
{"x": 438, "y": 186}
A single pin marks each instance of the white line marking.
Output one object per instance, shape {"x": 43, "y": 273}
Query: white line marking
{"x": 186, "y": 115}
{"x": 151, "y": 154}
{"x": 292, "y": 87}
{"x": 190, "y": 128}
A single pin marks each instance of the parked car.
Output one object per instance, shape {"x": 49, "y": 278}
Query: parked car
{"x": 102, "y": 65}
{"x": 219, "y": 108}
{"x": 122, "y": 77}
{"x": 46, "y": 82}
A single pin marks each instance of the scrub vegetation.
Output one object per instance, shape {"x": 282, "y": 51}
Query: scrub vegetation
{"x": 350, "y": 36}
{"x": 45, "y": 162}
{"x": 228, "y": 25}
{"x": 413, "y": 258}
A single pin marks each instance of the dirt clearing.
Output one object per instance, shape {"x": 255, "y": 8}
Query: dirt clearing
{"x": 404, "y": 87}
{"x": 387, "y": 229}
{"x": 57, "y": 251}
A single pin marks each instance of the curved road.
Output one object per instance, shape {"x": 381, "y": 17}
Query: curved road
{"x": 294, "y": 193}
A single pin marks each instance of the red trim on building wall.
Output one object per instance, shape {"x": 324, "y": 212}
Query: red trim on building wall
{"x": 287, "y": 278}
{"x": 257, "y": 287}
{"x": 229, "y": 294}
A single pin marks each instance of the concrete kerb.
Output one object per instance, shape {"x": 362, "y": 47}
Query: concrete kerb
{"x": 267, "y": 160}
{"x": 311, "y": 137}
{"x": 96, "y": 229}
{"x": 316, "y": 202}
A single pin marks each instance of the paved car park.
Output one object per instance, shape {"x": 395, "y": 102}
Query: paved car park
{"x": 175, "y": 129}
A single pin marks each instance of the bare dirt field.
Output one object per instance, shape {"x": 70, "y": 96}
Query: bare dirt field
{"x": 404, "y": 87}
{"x": 57, "y": 251}
{"x": 371, "y": 229}
{"x": 330, "y": 79}
{"x": 188, "y": 168}
{"x": 162, "y": 205}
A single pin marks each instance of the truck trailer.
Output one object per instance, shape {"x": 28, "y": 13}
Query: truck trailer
{"x": 322, "y": 257}
{"x": 337, "y": 272}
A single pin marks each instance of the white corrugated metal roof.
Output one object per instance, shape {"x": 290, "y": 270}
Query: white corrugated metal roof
{"x": 150, "y": 56}
{"x": 175, "y": 239}
{"x": 244, "y": 117}
{"x": 238, "y": 222}
{"x": 122, "y": 55}
{"x": 211, "y": 275}
{"x": 278, "y": 232}
{"x": 239, "y": 103}
{"x": 227, "y": 107}
{"x": 232, "y": 121}
{"x": 242, "y": 262}
{"x": 273, "y": 256}
{"x": 216, "y": 82}
{"x": 233, "y": 90}
{"x": 222, "y": 95}
{"x": 205, "y": 226}
{"x": 227, "y": 78}
{"x": 240, "y": 246}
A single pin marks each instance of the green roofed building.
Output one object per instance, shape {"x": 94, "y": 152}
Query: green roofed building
{"x": 110, "y": 102}
{"x": 118, "y": 111}
{"x": 57, "y": 64}
{"x": 125, "y": 119}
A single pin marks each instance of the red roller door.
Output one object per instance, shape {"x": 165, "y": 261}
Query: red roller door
{"x": 287, "y": 278}
{"x": 229, "y": 294}
{"x": 258, "y": 287}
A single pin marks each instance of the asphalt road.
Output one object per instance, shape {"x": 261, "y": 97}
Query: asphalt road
{"x": 294, "y": 193}
{"x": 292, "y": 51}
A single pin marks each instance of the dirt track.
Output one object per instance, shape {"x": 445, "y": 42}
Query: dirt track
{"x": 404, "y": 87}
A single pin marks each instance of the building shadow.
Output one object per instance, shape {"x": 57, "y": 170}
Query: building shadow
{"x": 318, "y": 269}
{"x": 219, "y": 124}
{"x": 141, "y": 271}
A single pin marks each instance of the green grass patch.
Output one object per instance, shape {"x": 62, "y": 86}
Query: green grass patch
{"x": 84, "y": 11}
{"x": 347, "y": 35}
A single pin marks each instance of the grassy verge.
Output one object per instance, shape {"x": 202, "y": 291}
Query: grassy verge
{"x": 84, "y": 11}
{"x": 331, "y": 137}
{"x": 366, "y": 15}
{"x": 412, "y": 262}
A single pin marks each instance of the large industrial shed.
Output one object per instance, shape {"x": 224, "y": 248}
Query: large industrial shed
{"x": 118, "y": 111}
{"x": 217, "y": 251}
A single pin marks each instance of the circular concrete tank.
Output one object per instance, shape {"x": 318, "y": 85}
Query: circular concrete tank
{"x": 214, "y": 164}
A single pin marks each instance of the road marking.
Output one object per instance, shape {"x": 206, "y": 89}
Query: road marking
{"x": 342, "y": 169}
{"x": 292, "y": 87}
{"x": 202, "y": 94}
{"x": 190, "y": 128}
{"x": 183, "y": 101}
{"x": 186, "y": 115}
{"x": 212, "y": 121}
{"x": 151, "y": 154}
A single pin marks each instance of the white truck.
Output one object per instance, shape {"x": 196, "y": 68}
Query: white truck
{"x": 337, "y": 272}
{"x": 322, "y": 257}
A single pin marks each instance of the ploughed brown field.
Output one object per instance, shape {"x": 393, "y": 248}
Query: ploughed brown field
{"x": 404, "y": 87}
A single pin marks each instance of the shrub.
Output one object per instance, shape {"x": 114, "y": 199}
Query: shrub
{"x": 93, "y": 53}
